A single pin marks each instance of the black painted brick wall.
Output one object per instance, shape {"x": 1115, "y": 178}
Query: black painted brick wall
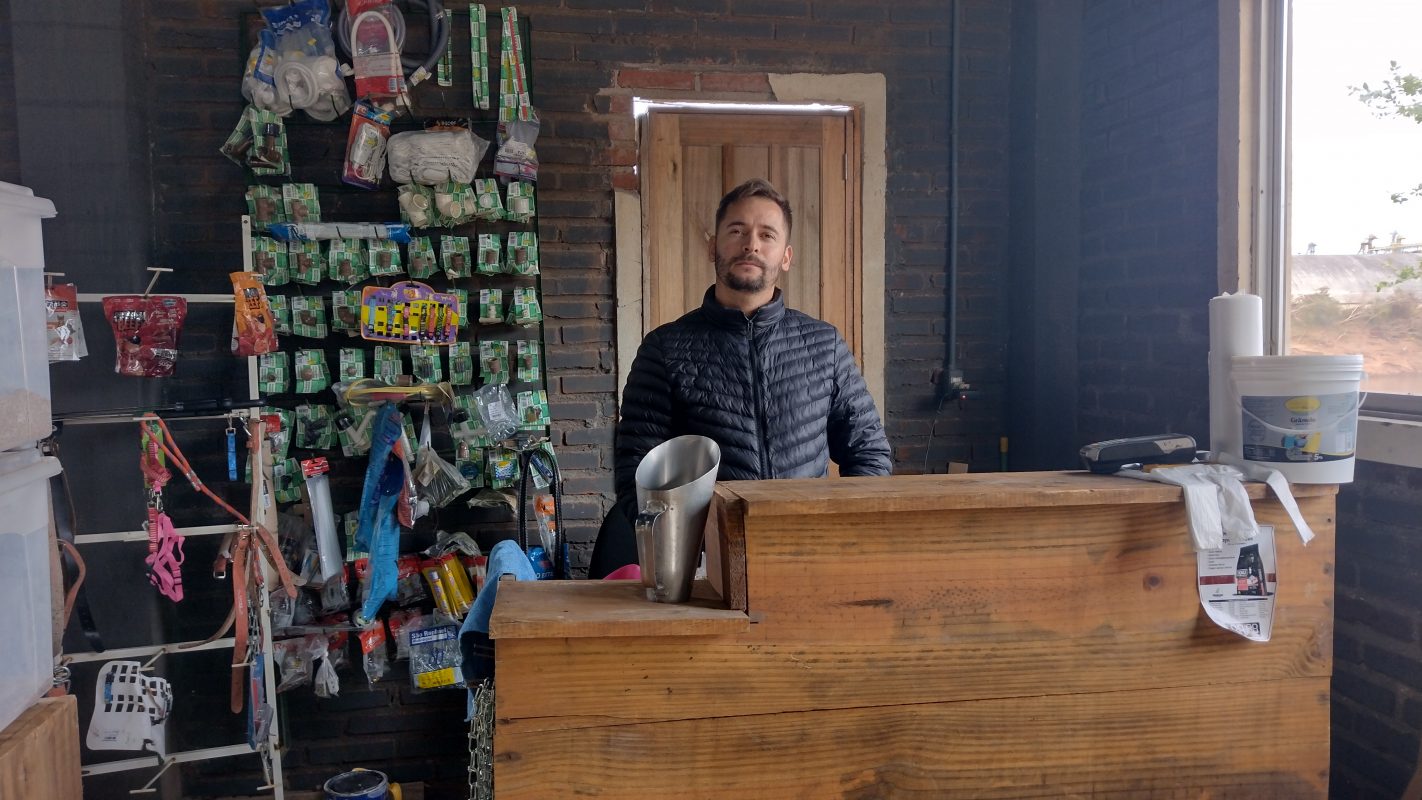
{"x": 1377, "y": 660}
{"x": 192, "y": 55}
{"x": 1148, "y": 226}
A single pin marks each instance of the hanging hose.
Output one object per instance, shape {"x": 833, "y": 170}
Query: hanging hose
{"x": 417, "y": 69}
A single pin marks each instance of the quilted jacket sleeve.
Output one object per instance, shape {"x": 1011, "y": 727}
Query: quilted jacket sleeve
{"x": 856, "y": 435}
{"x": 646, "y": 413}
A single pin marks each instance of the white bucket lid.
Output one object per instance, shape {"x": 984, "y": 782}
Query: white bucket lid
{"x": 1292, "y": 364}
{"x": 21, "y": 200}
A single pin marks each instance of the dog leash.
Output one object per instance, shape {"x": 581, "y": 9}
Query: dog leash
{"x": 237, "y": 551}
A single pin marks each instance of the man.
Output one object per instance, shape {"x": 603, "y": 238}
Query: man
{"x": 777, "y": 389}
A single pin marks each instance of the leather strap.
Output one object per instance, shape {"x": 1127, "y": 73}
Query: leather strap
{"x": 65, "y": 521}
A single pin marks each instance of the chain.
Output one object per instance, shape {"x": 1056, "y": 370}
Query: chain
{"x": 481, "y": 743}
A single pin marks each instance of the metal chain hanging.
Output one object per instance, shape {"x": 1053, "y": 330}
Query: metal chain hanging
{"x": 481, "y": 743}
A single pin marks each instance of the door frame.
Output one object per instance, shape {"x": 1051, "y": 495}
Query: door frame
{"x": 866, "y": 93}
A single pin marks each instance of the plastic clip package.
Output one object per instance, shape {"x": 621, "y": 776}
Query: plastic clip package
{"x": 523, "y": 253}
{"x": 269, "y": 261}
{"x": 315, "y": 428}
{"x": 529, "y": 361}
{"x": 435, "y": 659}
{"x": 521, "y": 205}
{"x": 352, "y": 364}
{"x": 345, "y": 259}
{"x": 308, "y": 317}
{"x": 486, "y": 199}
{"x": 461, "y": 364}
{"x": 533, "y": 409}
{"x": 524, "y": 309}
{"x": 388, "y": 365}
{"x": 383, "y": 256}
{"x": 311, "y": 373}
{"x": 488, "y": 262}
{"x": 491, "y": 306}
{"x": 425, "y": 363}
{"x": 494, "y": 361}
{"x": 417, "y": 206}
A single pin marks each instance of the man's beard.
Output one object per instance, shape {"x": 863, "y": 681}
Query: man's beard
{"x": 740, "y": 283}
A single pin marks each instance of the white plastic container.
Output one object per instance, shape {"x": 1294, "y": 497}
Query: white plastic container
{"x": 24, "y": 358}
{"x": 26, "y": 656}
{"x": 1299, "y": 414}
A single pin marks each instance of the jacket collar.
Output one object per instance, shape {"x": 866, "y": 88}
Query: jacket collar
{"x": 732, "y": 318}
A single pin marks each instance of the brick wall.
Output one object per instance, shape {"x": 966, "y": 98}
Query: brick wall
{"x": 9, "y": 139}
{"x": 1148, "y": 119}
{"x": 1377, "y": 663}
{"x": 588, "y": 62}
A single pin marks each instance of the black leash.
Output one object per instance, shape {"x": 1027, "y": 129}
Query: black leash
{"x": 65, "y": 521}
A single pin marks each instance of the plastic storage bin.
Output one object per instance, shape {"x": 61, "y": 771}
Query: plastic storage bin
{"x": 24, "y": 358}
{"x": 26, "y": 655}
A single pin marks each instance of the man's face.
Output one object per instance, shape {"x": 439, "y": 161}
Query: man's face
{"x": 752, "y": 246}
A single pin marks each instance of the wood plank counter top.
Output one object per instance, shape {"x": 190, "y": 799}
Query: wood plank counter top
{"x": 578, "y": 609}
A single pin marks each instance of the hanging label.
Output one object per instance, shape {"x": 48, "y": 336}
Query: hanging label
{"x": 1238, "y": 583}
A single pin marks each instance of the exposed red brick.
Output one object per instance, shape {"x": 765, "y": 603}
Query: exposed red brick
{"x": 621, "y": 156}
{"x": 622, "y": 129}
{"x": 655, "y": 79}
{"x": 626, "y": 179}
{"x": 620, "y": 104}
{"x": 735, "y": 82}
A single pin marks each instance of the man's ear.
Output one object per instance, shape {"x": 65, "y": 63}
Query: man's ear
{"x": 711, "y": 247}
{"x": 789, "y": 256}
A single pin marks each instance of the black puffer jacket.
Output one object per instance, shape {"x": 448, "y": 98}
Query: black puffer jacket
{"x": 779, "y": 392}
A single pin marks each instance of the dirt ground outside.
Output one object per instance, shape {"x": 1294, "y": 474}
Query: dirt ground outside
{"x": 1387, "y": 332}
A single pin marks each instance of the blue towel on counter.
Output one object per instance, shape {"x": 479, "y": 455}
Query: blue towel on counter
{"x": 477, "y": 649}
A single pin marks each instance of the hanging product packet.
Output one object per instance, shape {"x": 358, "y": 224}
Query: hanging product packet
{"x": 272, "y": 372}
{"x": 461, "y": 306}
{"x": 315, "y": 427}
{"x": 424, "y": 360}
{"x": 345, "y": 259}
{"x": 494, "y": 361}
{"x": 303, "y": 258}
{"x": 399, "y": 620}
{"x": 521, "y": 206}
{"x": 503, "y": 470}
{"x": 365, "y": 145}
{"x": 264, "y": 206}
{"x": 281, "y": 313}
{"x": 409, "y": 584}
{"x": 300, "y": 202}
{"x": 146, "y": 331}
{"x": 461, "y": 364}
{"x": 469, "y": 461}
{"x": 435, "y": 658}
{"x": 454, "y": 203}
{"x": 530, "y": 363}
{"x": 422, "y": 258}
{"x": 352, "y": 364}
{"x": 256, "y": 330}
{"x": 486, "y": 199}
{"x": 479, "y": 54}
{"x": 388, "y": 365}
{"x": 308, "y": 317}
{"x": 524, "y": 310}
{"x": 372, "y": 647}
{"x": 533, "y": 409}
{"x": 267, "y": 154}
{"x": 287, "y": 477}
{"x": 417, "y": 205}
{"x": 345, "y": 311}
{"x": 491, "y": 306}
{"x": 311, "y": 373}
{"x": 383, "y": 257}
{"x": 454, "y": 256}
{"x": 523, "y": 253}
{"x": 63, "y": 327}
{"x": 488, "y": 262}
{"x": 269, "y": 260}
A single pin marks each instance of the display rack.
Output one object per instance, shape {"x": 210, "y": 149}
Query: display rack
{"x": 269, "y": 751}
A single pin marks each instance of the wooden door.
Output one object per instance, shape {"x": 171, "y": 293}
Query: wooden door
{"x": 690, "y": 159}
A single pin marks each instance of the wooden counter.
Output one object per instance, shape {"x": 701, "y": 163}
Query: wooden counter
{"x": 39, "y": 752}
{"x": 1002, "y": 635}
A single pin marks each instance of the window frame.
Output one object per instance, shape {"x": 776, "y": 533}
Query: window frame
{"x": 1255, "y": 129}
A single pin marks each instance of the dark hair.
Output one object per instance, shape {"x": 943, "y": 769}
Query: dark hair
{"x": 755, "y": 187}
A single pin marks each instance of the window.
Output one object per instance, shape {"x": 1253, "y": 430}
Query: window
{"x": 1354, "y": 228}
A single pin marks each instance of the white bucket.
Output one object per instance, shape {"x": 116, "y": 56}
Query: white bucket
{"x": 1299, "y": 414}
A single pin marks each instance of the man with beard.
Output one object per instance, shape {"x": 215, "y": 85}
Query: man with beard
{"x": 777, "y": 389}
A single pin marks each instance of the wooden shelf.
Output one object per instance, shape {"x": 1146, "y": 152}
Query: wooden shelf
{"x": 583, "y": 609}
